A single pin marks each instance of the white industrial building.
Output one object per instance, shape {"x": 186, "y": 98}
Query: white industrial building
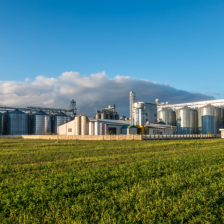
{"x": 144, "y": 112}
{"x": 161, "y": 129}
{"x": 222, "y": 133}
{"x": 83, "y": 126}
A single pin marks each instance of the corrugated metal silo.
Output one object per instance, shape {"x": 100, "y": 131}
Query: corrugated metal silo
{"x": 167, "y": 115}
{"x": 4, "y": 121}
{"x": 186, "y": 121}
{"x": 1, "y": 115}
{"x": 209, "y": 119}
{"x": 108, "y": 116}
{"x": 17, "y": 123}
{"x": 40, "y": 123}
{"x": 84, "y": 125}
{"x": 117, "y": 117}
{"x": 59, "y": 119}
{"x": 78, "y": 125}
{"x": 113, "y": 116}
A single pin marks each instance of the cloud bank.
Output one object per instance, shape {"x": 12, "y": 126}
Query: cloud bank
{"x": 90, "y": 92}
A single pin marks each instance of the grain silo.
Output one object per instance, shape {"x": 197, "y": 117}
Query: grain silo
{"x": 84, "y": 125}
{"x": 97, "y": 128}
{"x": 4, "y": 122}
{"x": 91, "y": 128}
{"x": 78, "y": 125}
{"x": 103, "y": 115}
{"x": 102, "y": 129}
{"x": 17, "y": 123}
{"x": 1, "y": 125}
{"x": 167, "y": 115}
{"x": 98, "y": 116}
{"x": 113, "y": 116}
{"x": 40, "y": 123}
{"x": 59, "y": 119}
{"x": 209, "y": 119}
{"x": 222, "y": 111}
{"x": 116, "y": 116}
{"x": 186, "y": 121}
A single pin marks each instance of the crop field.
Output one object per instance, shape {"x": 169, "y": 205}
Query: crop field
{"x": 178, "y": 181}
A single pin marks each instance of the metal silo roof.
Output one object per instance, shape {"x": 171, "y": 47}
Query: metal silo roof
{"x": 16, "y": 111}
{"x": 61, "y": 114}
{"x": 40, "y": 112}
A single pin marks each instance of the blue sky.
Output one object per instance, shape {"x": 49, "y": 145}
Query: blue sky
{"x": 176, "y": 42}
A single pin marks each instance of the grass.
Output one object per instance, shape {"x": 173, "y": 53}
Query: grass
{"x": 176, "y": 181}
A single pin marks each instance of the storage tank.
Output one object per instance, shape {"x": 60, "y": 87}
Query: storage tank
{"x": 222, "y": 109}
{"x": 84, "y": 125}
{"x": 75, "y": 129}
{"x": 97, "y": 129}
{"x": 209, "y": 119}
{"x": 59, "y": 119}
{"x": 91, "y": 128}
{"x": 40, "y": 123}
{"x": 186, "y": 121}
{"x": 168, "y": 116}
{"x": 1, "y": 115}
{"x": 116, "y": 116}
{"x": 103, "y": 116}
{"x": 17, "y": 123}
{"x": 113, "y": 116}
{"x": 108, "y": 116}
{"x": 4, "y": 121}
{"x": 78, "y": 125}
{"x": 102, "y": 129}
{"x": 98, "y": 116}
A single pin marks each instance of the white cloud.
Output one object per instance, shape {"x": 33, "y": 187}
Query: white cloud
{"x": 28, "y": 79}
{"x": 90, "y": 92}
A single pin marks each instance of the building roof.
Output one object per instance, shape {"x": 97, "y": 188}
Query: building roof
{"x": 146, "y": 103}
{"x": 114, "y": 122}
{"x": 132, "y": 126}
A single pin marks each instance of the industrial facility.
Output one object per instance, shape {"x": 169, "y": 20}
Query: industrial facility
{"x": 146, "y": 118}
{"x": 34, "y": 120}
{"x": 203, "y": 117}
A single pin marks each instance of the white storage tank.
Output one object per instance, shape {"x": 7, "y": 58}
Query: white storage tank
{"x": 168, "y": 116}
{"x": 103, "y": 129}
{"x": 84, "y": 125}
{"x": 186, "y": 121}
{"x": 91, "y": 128}
{"x": 98, "y": 116}
{"x": 103, "y": 115}
{"x": 209, "y": 119}
{"x": 78, "y": 125}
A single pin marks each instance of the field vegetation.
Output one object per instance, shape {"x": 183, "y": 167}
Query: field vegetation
{"x": 178, "y": 181}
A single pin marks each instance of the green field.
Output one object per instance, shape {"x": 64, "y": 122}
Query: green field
{"x": 162, "y": 181}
